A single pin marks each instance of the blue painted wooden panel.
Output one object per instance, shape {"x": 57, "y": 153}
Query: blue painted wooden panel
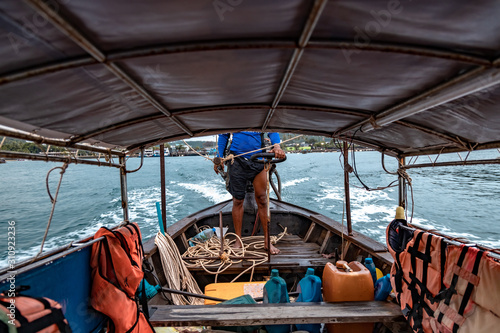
{"x": 66, "y": 280}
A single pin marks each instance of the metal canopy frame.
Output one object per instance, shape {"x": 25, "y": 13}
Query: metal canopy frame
{"x": 77, "y": 36}
{"x": 475, "y": 80}
{"x": 318, "y": 7}
{"x": 485, "y": 74}
{"x": 60, "y": 143}
{"x": 313, "y": 43}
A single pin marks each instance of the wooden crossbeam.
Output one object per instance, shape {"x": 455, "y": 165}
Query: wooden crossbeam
{"x": 270, "y": 314}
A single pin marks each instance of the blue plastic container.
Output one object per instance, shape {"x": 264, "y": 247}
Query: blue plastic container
{"x": 371, "y": 267}
{"x": 275, "y": 292}
{"x": 383, "y": 288}
{"x": 310, "y": 291}
{"x": 151, "y": 290}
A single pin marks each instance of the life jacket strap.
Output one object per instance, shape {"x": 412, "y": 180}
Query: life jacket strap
{"x": 466, "y": 275}
{"x": 55, "y": 316}
{"x": 473, "y": 280}
{"x": 451, "y": 314}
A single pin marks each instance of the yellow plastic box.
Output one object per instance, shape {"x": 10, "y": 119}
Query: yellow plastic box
{"x": 231, "y": 290}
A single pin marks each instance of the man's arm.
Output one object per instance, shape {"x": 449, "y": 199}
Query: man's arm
{"x": 275, "y": 138}
{"x": 275, "y": 141}
{"x": 223, "y": 139}
{"x": 221, "y": 146}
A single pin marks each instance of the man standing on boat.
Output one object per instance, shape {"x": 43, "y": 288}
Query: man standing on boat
{"x": 244, "y": 169}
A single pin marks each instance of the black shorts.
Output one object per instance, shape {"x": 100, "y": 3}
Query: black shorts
{"x": 239, "y": 172}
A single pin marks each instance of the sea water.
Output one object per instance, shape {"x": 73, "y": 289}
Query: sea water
{"x": 461, "y": 201}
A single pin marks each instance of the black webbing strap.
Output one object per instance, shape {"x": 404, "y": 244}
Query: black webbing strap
{"x": 448, "y": 293}
{"x": 55, "y": 316}
{"x": 398, "y": 278}
{"x": 425, "y": 263}
{"x": 415, "y": 253}
{"x": 416, "y": 312}
{"x": 470, "y": 288}
{"x": 443, "y": 262}
{"x": 141, "y": 254}
{"x": 19, "y": 317}
{"x": 144, "y": 299}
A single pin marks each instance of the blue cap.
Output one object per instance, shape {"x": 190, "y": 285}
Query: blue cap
{"x": 368, "y": 260}
{"x": 310, "y": 271}
{"x": 274, "y": 273}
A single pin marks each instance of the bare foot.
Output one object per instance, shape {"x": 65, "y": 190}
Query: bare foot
{"x": 237, "y": 244}
{"x": 274, "y": 250}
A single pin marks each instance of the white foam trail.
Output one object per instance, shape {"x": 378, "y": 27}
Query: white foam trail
{"x": 360, "y": 196}
{"x": 366, "y": 213}
{"x": 294, "y": 182}
{"x": 142, "y": 208}
{"x": 332, "y": 193}
{"x": 213, "y": 193}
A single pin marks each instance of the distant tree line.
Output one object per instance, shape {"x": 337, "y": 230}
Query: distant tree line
{"x": 22, "y": 146}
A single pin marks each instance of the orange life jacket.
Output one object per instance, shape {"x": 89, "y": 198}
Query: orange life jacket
{"x": 417, "y": 273}
{"x": 442, "y": 287}
{"x": 471, "y": 301}
{"x": 32, "y": 314}
{"x": 116, "y": 273}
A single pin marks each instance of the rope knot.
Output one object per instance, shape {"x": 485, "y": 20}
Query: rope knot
{"x": 224, "y": 257}
{"x": 405, "y": 175}
{"x": 230, "y": 157}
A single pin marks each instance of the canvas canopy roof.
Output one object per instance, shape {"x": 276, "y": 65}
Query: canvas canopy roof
{"x": 407, "y": 77}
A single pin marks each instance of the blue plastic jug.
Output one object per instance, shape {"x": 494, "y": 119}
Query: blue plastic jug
{"x": 275, "y": 292}
{"x": 383, "y": 288}
{"x": 310, "y": 291}
{"x": 371, "y": 267}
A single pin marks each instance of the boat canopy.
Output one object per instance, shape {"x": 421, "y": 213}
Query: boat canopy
{"x": 400, "y": 76}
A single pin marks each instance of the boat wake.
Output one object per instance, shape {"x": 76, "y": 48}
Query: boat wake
{"x": 371, "y": 212}
{"x": 214, "y": 193}
{"x": 295, "y": 182}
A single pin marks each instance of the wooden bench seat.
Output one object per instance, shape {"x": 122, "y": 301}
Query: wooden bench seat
{"x": 269, "y": 314}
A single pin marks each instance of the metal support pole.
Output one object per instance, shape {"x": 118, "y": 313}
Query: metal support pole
{"x": 268, "y": 222}
{"x": 123, "y": 187}
{"x": 346, "y": 189}
{"x": 402, "y": 184}
{"x": 162, "y": 181}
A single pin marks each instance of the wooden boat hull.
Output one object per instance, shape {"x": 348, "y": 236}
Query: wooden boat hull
{"x": 64, "y": 274}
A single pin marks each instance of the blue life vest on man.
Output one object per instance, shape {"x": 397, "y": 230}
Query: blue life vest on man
{"x": 244, "y": 142}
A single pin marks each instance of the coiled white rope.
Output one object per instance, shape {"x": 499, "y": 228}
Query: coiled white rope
{"x": 211, "y": 248}
{"x": 177, "y": 275}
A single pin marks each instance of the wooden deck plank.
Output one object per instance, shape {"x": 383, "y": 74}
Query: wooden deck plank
{"x": 270, "y": 314}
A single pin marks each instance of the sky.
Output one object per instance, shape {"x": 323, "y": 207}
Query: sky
{"x": 203, "y": 138}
